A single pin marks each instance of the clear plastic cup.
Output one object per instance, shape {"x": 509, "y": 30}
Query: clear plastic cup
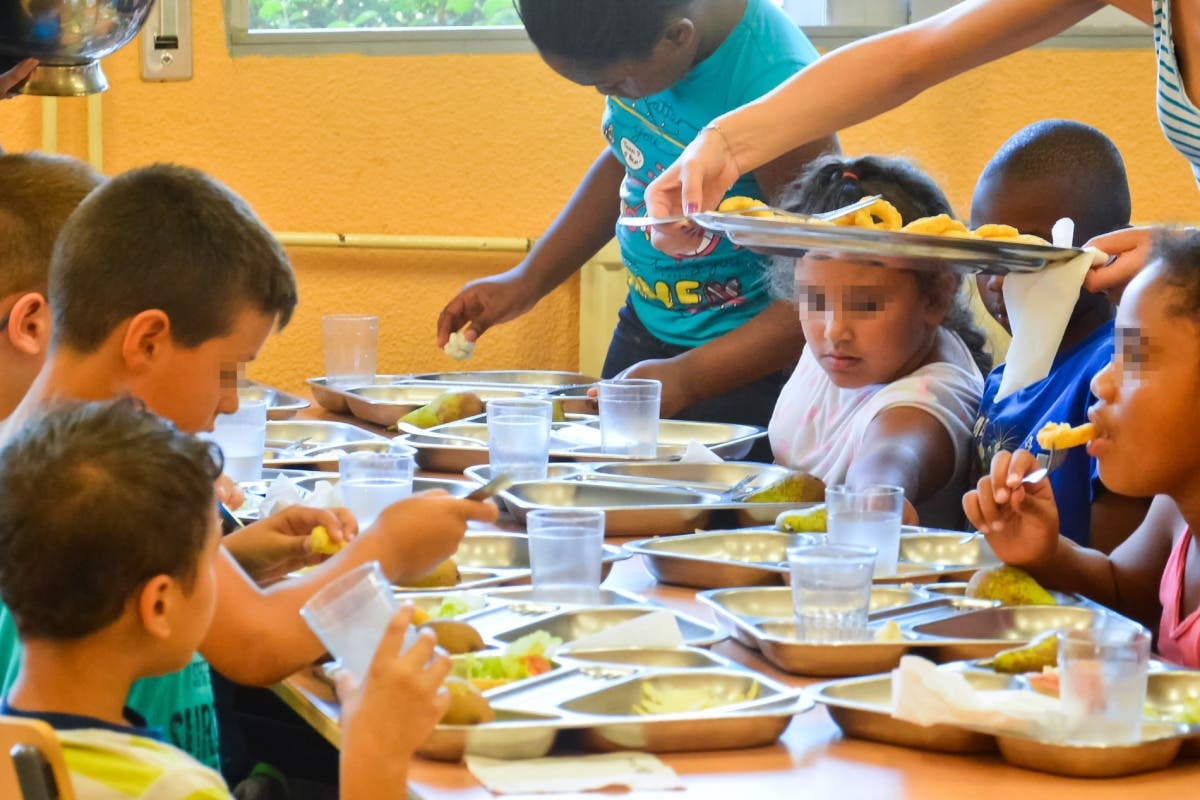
{"x": 629, "y": 409}
{"x": 242, "y": 437}
{"x": 519, "y": 437}
{"x": 831, "y": 591}
{"x": 1102, "y": 682}
{"x": 869, "y": 516}
{"x": 351, "y": 344}
{"x": 370, "y": 482}
{"x": 350, "y": 615}
{"x": 566, "y": 549}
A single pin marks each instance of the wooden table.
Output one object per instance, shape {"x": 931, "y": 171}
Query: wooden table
{"x": 811, "y": 760}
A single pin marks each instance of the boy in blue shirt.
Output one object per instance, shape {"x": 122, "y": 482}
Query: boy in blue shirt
{"x": 1046, "y": 171}
{"x": 706, "y": 325}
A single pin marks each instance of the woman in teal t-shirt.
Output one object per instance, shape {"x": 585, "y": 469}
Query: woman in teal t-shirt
{"x": 705, "y": 325}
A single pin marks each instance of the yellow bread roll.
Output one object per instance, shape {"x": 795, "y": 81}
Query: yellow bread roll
{"x": 322, "y": 543}
{"x": 1060, "y": 435}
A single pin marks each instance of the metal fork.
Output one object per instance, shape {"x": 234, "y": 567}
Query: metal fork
{"x": 1048, "y": 462}
{"x": 824, "y": 216}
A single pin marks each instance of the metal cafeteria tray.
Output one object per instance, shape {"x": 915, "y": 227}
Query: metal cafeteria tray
{"x": 1159, "y": 745}
{"x": 319, "y": 438}
{"x": 575, "y": 623}
{"x": 951, "y": 554}
{"x": 439, "y": 451}
{"x": 628, "y": 510}
{"x": 728, "y": 440}
{"x": 496, "y": 559}
{"x": 985, "y": 632}
{"x": 533, "y": 378}
{"x": 306, "y": 481}
{"x": 959, "y": 589}
{"x": 710, "y": 477}
{"x": 719, "y": 559}
{"x": 575, "y": 399}
{"x": 280, "y": 404}
{"x": 1166, "y": 693}
{"x": 383, "y": 405}
{"x": 331, "y": 394}
{"x": 862, "y": 708}
{"x": 789, "y": 238}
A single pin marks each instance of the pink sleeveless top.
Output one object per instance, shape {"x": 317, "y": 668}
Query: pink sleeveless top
{"x": 1178, "y": 639}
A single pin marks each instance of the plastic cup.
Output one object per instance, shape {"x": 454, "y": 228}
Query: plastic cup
{"x": 370, "y": 482}
{"x": 519, "y": 437}
{"x": 350, "y": 615}
{"x": 566, "y": 549}
{"x": 831, "y": 591}
{"x": 351, "y": 343}
{"x": 1102, "y": 682}
{"x": 242, "y": 437}
{"x": 869, "y": 516}
{"x": 629, "y": 410}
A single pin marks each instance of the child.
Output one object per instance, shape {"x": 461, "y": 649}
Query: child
{"x": 37, "y": 194}
{"x": 163, "y": 283}
{"x": 704, "y": 325}
{"x": 889, "y": 380}
{"x": 1148, "y": 444}
{"x": 1046, "y": 171}
{"x": 110, "y": 511}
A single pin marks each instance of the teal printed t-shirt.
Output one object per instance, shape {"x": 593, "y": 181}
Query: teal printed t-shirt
{"x": 179, "y": 704}
{"x": 691, "y": 301}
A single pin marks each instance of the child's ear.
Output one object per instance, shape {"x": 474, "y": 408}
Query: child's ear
{"x": 29, "y": 324}
{"x": 680, "y": 32}
{"x": 147, "y": 335}
{"x": 154, "y": 605}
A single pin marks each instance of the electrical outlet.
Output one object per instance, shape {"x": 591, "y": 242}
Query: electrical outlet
{"x": 167, "y": 42}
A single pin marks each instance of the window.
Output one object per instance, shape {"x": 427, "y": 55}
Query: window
{"x": 294, "y": 27}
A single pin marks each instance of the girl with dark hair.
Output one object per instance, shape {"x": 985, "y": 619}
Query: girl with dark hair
{"x": 891, "y": 374}
{"x": 704, "y": 324}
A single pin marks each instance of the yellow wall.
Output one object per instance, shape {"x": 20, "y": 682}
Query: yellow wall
{"x": 491, "y": 145}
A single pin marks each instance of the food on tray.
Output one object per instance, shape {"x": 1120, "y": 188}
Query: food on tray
{"x": 1040, "y": 653}
{"x": 1006, "y": 233}
{"x": 1044, "y": 682}
{"x": 467, "y": 705}
{"x": 447, "y": 407}
{"x": 1189, "y": 714}
{"x": 1012, "y": 586}
{"x": 455, "y": 607}
{"x": 940, "y": 225}
{"x": 795, "y": 487}
{"x": 321, "y": 543}
{"x": 881, "y": 215}
{"x": 889, "y": 632}
{"x": 806, "y": 520}
{"x": 458, "y": 347}
{"x": 443, "y": 575}
{"x": 454, "y": 636}
{"x": 679, "y": 700}
{"x": 1060, "y": 435}
{"x": 557, "y": 413}
{"x": 739, "y": 204}
{"x": 524, "y": 658}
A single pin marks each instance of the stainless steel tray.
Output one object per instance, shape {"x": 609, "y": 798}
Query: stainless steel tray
{"x": 985, "y": 632}
{"x": 332, "y": 396}
{"x": 575, "y": 623}
{"x": 1158, "y": 747}
{"x": 322, "y": 437}
{"x": 280, "y": 404}
{"x": 719, "y": 559}
{"x": 789, "y": 238}
{"x": 862, "y": 708}
{"x": 383, "y": 405}
{"x": 953, "y": 555}
{"x": 710, "y": 477}
{"x": 1166, "y": 692}
{"x": 959, "y": 589}
{"x": 628, "y": 510}
{"x": 534, "y": 378}
{"x": 307, "y": 480}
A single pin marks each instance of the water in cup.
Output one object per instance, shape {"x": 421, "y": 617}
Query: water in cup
{"x": 629, "y": 409}
{"x": 242, "y": 439}
{"x": 370, "y": 482}
{"x": 367, "y": 498}
{"x": 831, "y": 591}
{"x": 519, "y": 437}
{"x": 1102, "y": 682}
{"x": 351, "y": 342}
{"x": 869, "y": 516}
{"x": 566, "y": 550}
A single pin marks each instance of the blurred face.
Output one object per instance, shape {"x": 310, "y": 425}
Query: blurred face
{"x": 1149, "y": 439}
{"x": 191, "y": 385}
{"x": 631, "y": 79}
{"x": 864, "y": 324}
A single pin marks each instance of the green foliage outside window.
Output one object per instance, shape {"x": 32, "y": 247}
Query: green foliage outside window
{"x": 317, "y": 14}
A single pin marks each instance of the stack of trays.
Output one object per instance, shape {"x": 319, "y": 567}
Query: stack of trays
{"x": 592, "y": 696}
{"x": 942, "y": 627}
{"x": 758, "y": 557}
{"x": 862, "y": 707}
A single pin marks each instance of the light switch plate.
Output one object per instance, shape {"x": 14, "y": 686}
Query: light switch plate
{"x": 166, "y": 42}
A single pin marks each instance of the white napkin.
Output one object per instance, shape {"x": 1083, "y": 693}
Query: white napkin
{"x": 655, "y": 629}
{"x": 926, "y": 695}
{"x": 627, "y": 771}
{"x": 696, "y": 453}
{"x": 1039, "y": 305}
{"x": 282, "y": 493}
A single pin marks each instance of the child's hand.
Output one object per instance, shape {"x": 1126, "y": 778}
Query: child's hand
{"x": 1020, "y": 521}
{"x": 387, "y": 717}
{"x": 417, "y": 534}
{"x": 9, "y": 81}
{"x": 1130, "y": 249}
{"x": 229, "y": 493}
{"x": 695, "y": 182}
{"x": 484, "y": 303}
{"x": 271, "y": 548}
{"x": 676, "y": 388}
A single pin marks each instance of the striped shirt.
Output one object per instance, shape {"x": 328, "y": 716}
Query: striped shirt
{"x": 1178, "y": 116}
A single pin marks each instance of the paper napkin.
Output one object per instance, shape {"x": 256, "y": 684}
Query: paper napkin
{"x": 654, "y": 629}
{"x": 697, "y": 453}
{"x": 1039, "y": 305}
{"x": 608, "y": 771}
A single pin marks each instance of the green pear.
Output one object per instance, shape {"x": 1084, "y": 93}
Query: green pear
{"x": 795, "y": 487}
{"x": 803, "y": 520}
{"x": 1012, "y": 586}
{"x": 1033, "y": 657}
{"x": 445, "y": 408}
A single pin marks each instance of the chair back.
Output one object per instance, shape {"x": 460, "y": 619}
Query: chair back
{"x": 32, "y": 766}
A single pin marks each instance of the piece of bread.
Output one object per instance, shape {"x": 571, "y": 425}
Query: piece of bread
{"x": 1060, "y": 435}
